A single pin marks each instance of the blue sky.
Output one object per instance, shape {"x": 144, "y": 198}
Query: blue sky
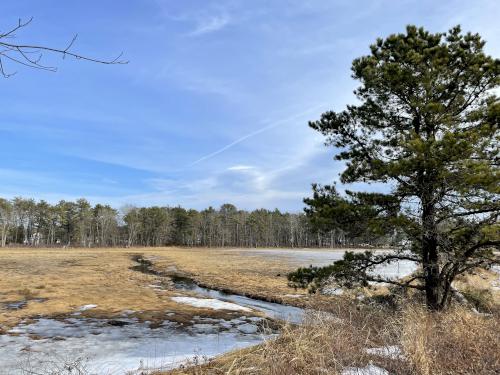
{"x": 213, "y": 106}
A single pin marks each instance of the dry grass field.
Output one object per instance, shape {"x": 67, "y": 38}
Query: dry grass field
{"x": 56, "y": 282}
{"x": 362, "y": 341}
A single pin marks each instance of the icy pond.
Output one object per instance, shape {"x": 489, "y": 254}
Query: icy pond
{"x": 110, "y": 349}
{"x": 126, "y": 345}
{"x": 307, "y": 257}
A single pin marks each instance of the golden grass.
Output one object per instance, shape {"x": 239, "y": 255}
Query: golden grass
{"x": 453, "y": 342}
{"x": 456, "y": 341}
{"x": 70, "y": 278}
{"x": 228, "y": 269}
{"x": 481, "y": 288}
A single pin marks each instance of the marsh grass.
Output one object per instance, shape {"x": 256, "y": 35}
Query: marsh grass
{"x": 481, "y": 299}
{"x": 69, "y": 278}
{"x": 456, "y": 341}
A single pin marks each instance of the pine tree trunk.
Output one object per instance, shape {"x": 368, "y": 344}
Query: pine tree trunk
{"x": 430, "y": 261}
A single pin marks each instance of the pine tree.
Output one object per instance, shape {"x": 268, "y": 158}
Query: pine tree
{"x": 427, "y": 126}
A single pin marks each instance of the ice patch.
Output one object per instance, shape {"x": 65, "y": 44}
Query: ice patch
{"x": 368, "y": 370}
{"x": 225, "y": 324}
{"x": 112, "y": 350}
{"x": 248, "y": 328}
{"x": 204, "y": 328}
{"x": 17, "y": 305}
{"x": 392, "y": 352}
{"x": 209, "y": 303}
{"x": 87, "y": 307}
{"x": 273, "y": 310}
{"x": 304, "y": 258}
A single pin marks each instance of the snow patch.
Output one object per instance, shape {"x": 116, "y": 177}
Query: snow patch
{"x": 368, "y": 370}
{"x": 392, "y": 352}
{"x": 332, "y": 291}
{"x": 87, "y": 307}
{"x": 209, "y": 303}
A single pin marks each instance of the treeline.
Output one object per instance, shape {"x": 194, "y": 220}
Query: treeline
{"x": 31, "y": 223}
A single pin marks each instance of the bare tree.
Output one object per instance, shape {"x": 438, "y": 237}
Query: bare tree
{"x": 31, "y": 55}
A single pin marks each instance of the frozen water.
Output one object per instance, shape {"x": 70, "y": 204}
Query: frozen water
{"x": 273, "y": 310}
{"x": 205, "y": 328}
{"x": 320, "y": 258}
{"x": 17, "y": 305}
{"x": 114, "y": 350}
{"x": 209, "y": 303}
{"x": 248, "y": 328}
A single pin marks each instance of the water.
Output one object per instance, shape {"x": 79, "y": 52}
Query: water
{"x": 273, "y": 310}
{"x": 18, "y": 305}
{"x": 117, "y": 346}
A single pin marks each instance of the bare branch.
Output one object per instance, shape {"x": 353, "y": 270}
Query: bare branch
{"x": 20, "y": 25}
{"x": 406, "y": 284}
{"x": 19, "y": 53}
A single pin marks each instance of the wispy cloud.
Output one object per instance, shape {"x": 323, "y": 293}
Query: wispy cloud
{"x": 240, "y": 168}
{"x": 216, "y": 85}
{"x": 203, "y": 20}
{"x": 210, "y": 24}
{"x": 257, "y": 132}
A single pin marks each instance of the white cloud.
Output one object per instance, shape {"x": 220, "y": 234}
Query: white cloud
{"x": 210, "y": 24}
{"x": 206, "y": 19}
{"x": 240, "y": 168}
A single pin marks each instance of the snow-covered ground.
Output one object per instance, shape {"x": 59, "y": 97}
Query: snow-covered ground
{"x": 210, "y": 303}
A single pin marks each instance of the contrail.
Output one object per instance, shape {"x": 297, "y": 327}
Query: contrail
{"x": 254, "y": 133}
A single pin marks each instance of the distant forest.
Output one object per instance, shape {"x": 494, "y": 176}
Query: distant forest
{"x": 79, "y": 224}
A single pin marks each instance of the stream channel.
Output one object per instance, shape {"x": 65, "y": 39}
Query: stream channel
{"x": 129, "y": 346}
{"x": 126, "y": 345}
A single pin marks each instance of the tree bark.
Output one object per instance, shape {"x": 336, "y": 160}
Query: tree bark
{"x": 430, "y": 261}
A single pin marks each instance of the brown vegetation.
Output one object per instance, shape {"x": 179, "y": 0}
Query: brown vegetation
{"x": 55, "y": 282}
{"x": 457, "y": 341}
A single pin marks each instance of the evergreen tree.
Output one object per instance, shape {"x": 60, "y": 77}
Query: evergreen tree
{"x": 427, "y": 126}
